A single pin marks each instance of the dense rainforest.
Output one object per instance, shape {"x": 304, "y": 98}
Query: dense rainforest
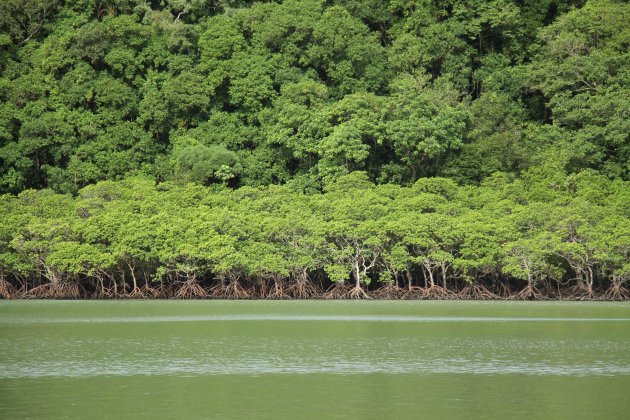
{"x": 315, "y": 148}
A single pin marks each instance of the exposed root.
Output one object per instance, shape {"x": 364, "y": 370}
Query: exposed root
{"x": 149, "y": 292}
{"x": 70, "y": 291}
{"x": 260, "y": 290}
{"x": 616, "y": 292}
{"x": 344, "y": 291}
{"x": 357, "y": 292}
{"x": 337, "y": 291}
{"x": 190, "y": 290}
{"x": 234, "y": 290}
{"x": 388, "y": 292}
{"x": 530, "y": 292}
{"x": 54, "y": 291}
{"x": 302, "y": 290}
{"x": 231, "y": 290}
{"x": 6, "y": 290}
{"x": 502, "y": 290}
{"x": 163, "y": 291}
{"x": 438, "y": 293}
{"x": 414, "y": 293}
{"x": 217, "y": 292}
{"x": 579, "y": 292}
{"x": 136, "y": 293}
{"x": 475, "y": 291}
{"x": 106, "y": 293}
{"x": 549, "y": 292}
{"x": 277, "y": 291}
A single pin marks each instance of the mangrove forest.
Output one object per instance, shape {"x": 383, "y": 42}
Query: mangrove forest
{"x": 234, "y": 149}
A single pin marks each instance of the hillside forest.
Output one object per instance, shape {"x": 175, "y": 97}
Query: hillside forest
{"x": 315, "y": 149}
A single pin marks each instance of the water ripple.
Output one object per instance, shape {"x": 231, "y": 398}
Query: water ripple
{"x": 301, "y": 318}
{"x": 190, "y": 367}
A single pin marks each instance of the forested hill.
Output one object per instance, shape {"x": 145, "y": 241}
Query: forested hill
{"x": 524, "y": 101}
{"x": 301, "y": 92}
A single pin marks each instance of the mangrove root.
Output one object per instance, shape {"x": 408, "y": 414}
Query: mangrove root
{"x": 343, "y": 291}
{"x": 149, "y": 292}
{"x": 502, "y": 290}
{"x": 438, "y": 293}
{"x": 616, "y": 292}
{"x": 190, "y": 290}
{"x": 302, "y": 290}
{"x": 54, "y": 291}
{"x": 476, "y": 292}
{"x": 414, "y": 293}
{"x": 106, "y": 293}
{"x": 6, "y": 290}
{"x": 357, "y": 292}
{"x": 231, "y": 290}
{"x": 136, "y": 293}
{"x": 580, "y": 292}
{"x": 337, "y": 291}
{"x": 528, "y": 293}
{"x": 387, "y": 292}
{"x": 277, "y": 291}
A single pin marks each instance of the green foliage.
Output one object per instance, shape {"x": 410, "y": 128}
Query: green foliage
{"x": 304, "y": 92}
{"x": 581, "y": 69}
{"x": 433, "y": 233}
{"x": 207, "y": 164}
{"x": 380, "y": 112}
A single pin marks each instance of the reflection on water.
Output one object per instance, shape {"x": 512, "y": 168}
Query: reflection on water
{"x": 42, "y": 357}
{"x": 313, "y": 352}
{"x": 260, "y": 367}
{"x": 314, "y": 318}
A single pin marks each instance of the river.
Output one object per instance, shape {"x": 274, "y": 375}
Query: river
{"x": 313, "y": 359}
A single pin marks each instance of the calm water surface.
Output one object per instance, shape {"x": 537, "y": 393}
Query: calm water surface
{"x": 313, "y": 359}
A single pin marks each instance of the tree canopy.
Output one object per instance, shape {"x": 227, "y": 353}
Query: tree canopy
{"x": 448, "y": 145}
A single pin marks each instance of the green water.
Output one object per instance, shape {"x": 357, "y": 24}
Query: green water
{"x": 313, "y": 359}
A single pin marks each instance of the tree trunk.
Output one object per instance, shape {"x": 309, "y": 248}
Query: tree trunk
{"x": 431, "y": 282}
{"x": 357, "y": 275}
{"x": 409, "y": 280}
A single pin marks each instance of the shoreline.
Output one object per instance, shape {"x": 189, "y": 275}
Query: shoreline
{"x": 471, "y": 292}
